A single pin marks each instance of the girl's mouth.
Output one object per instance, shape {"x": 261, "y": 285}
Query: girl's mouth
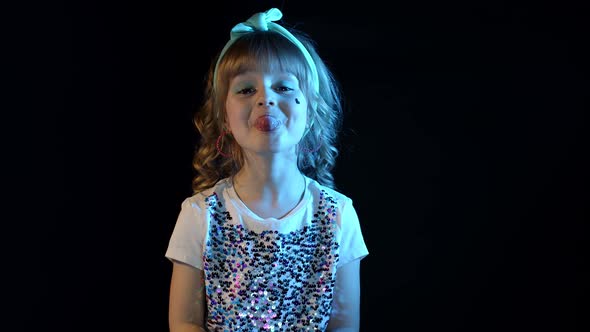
{"x": 267, "y": 123}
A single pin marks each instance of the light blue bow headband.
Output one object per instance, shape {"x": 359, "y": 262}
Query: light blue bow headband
{"x": 264, "y": 22}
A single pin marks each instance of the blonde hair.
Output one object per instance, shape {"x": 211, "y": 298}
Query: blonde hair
{"x": 271, "y": 51}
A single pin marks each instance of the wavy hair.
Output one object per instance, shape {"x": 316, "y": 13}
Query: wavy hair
{"x": 267, "y": 50}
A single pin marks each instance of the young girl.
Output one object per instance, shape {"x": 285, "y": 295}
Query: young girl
{"x": 266, "y": 243}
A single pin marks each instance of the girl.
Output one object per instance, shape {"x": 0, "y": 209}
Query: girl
{"x": 266, "y": 243}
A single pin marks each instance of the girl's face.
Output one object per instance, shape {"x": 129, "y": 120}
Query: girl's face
{"x": 266, "y": 112}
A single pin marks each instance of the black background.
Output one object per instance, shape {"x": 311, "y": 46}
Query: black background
{"x": 462, "y": 150}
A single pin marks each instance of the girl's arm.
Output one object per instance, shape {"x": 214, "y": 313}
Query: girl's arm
{"x": 187, "y": 305}
{"x": 345, "y": 315}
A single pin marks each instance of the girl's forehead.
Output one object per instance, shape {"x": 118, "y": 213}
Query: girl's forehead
{"x": 263, "y": 74}
{"x": 264, "y": 61}
{"x": 266, "y": 65}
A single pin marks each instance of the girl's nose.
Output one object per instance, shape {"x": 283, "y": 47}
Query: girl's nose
{"x": 266, "y": 102}
{"x": 266, "y": 98}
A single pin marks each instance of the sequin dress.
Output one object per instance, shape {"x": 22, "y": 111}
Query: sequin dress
{"x": 267, "y": 274}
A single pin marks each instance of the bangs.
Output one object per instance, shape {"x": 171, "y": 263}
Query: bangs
{"x": 263, "y": 51}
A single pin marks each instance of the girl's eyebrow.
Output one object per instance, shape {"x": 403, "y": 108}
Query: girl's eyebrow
{"x": 250, "y": 77}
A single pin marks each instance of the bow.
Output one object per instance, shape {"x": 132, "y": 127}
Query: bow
{"x": 264, "y": 21}
{"x": 259, "y": 21}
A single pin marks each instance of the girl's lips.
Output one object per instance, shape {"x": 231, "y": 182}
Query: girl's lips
{"x": 267, "y": 123}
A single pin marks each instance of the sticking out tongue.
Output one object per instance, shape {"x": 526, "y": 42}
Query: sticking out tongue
{"x": 267, "y": 123}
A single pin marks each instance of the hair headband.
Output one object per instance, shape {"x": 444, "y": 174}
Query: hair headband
{"x": 264, "y": 22}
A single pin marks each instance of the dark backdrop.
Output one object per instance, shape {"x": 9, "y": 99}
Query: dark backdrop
{"x": 462, "y": 149}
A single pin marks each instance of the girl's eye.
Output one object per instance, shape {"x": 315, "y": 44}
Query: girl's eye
{"x": 246, "y": 91}
{"x": 249, "y": 91}
{"x": 284, "y": 89}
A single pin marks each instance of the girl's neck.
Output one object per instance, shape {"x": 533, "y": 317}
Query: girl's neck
{"x": 271, "y": 173}
{"x": 276, "y": 182}
{"x": 270, "y": 194}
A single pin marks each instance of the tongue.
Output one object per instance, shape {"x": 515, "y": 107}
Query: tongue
{"x": 267, "y": 123}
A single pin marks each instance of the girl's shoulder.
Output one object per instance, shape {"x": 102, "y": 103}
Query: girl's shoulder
{"x": 320, "y": 191}
{"x": 205, "y": 197}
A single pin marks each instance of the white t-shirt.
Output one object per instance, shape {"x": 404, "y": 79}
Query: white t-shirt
{"x": 266, "y": 274}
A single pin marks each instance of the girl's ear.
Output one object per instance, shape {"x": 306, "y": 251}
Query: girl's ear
{"x": 225, "y": 127}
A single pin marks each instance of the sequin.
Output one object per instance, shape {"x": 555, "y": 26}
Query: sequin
{"x": 270, "y": 281}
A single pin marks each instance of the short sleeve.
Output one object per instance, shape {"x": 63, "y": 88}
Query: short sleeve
{"x": 352, "y": 243}
{"x": 188, "y": 236}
